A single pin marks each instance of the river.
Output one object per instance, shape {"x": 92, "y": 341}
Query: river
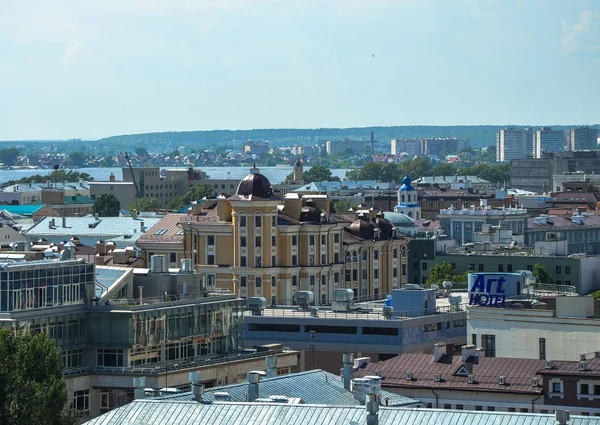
{"x": 274, "y": 174}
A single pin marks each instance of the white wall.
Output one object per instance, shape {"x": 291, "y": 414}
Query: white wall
{"x": 518, "y": 332}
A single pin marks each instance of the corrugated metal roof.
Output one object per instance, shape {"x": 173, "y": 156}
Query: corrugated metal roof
{"x": 26, "y": 210}
{"x": 313, "y": 387}
{"x": 159, "y": 412}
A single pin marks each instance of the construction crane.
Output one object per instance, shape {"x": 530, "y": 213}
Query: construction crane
{"x": 137, "y": 191}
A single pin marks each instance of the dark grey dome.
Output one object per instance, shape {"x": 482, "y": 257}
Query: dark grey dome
{"x": 255, "y": 185}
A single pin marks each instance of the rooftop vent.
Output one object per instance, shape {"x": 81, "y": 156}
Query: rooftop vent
{"x": 471, "y": 379}
{"x": 437, "y": 378}
{"x": 583, "y": 365}
{"x": 535, "y": 382}
{"x": 221, "y": 396}
{"x": 549, "y": 364}
{"x": 501, "y": 380}
{"x": 409, "y": 376}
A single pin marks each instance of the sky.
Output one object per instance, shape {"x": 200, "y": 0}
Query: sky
{"x": 95, "y": 68}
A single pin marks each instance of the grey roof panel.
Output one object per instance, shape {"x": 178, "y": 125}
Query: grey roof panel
{"x": 166, "y": 412}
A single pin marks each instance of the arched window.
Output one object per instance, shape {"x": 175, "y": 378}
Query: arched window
{"x": 402, "y": 198}
{"x": 410, "y": 214}
{"x": 354, "y": 256}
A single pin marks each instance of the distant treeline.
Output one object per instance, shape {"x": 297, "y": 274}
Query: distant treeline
{"x": 479, "y": 135}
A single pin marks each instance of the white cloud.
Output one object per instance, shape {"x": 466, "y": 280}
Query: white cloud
{"x": 583, "y": 36}
{"x": 75, "y": 53}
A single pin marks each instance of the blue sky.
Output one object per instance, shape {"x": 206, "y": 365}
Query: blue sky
{"x": 97, "y": 68}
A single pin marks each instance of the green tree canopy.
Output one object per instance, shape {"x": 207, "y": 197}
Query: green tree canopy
{"x": 107, "y": 205}
{"x": 340, "y": 205}
{"x": 316, "y": 173}
{"x": 197, "y": 193}
{"x": 32, "y": 389}
{"x": 77, "y": 159}
{"x": 442, "y": 272}
{"x": 9, "y": 156}
{"x": 56, "y": 175}
{"x": 541, "y": 274}
{"x": 147, "y": 204}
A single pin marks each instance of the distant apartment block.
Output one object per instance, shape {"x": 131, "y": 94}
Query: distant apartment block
{"x": 256, "y": 147}
{"x": 512, "y": 143}
{"x": 439, "y": 146}
{"x": 411, "y": 147}
{"x": 582, "y": 138}
{"x": 547, "y": 140}
{"x": 338, "y": 147}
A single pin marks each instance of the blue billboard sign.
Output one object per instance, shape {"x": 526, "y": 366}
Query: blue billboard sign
{"x": 492, "y": 289}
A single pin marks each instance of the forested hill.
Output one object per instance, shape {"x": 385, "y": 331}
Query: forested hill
{"x": 479, "y": 135}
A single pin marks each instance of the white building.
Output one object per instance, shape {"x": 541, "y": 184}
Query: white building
{"x": 338, "y": 147}
{"x": 547, "y": 140}
{"x": 512, "y": 144}
{"x": 408, "y": 203}
{"x": 562, "y": 330}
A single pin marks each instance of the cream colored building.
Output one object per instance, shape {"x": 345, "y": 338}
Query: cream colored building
{"x": 258, "y": 245}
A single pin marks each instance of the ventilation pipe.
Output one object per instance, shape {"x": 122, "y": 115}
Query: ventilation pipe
{"x": 138, "y": 384}
{"x": 348, "y": 370}
{"x": 141, "y": 290}
{"x": 253, "y": 380}
{"x": 372, "y": 408}
{"x": 271, "y": 366}
{"x": 562, "y": 417}
{"x": 197, "y": 387}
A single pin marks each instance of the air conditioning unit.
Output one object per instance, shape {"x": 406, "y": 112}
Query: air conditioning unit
{"x": 409, "y": 376}
{"x": 471, "y": 379}
{"x": 501, "y": 380}
{"x": 438, "y": 378}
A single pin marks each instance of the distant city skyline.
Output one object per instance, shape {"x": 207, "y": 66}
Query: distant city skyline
{"x": 94, "y": 69}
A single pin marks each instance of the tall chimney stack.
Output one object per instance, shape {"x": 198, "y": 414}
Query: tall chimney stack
{"x": 439, "y": 351}
{"x": 138, "y": 384}
{"x": 253, "y": 380}
{"x": 348, "y": 370}
{"x": 372, "y": 408}
{"x": 372, "y": 143}
{"x": 271, "y": 366}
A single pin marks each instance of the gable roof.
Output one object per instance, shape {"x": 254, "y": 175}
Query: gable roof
{"x": 313, "y": 387}
{"x": 518, "y": 373}
{"x": 188, "y": 412}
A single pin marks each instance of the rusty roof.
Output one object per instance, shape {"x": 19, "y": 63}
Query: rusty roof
{"x": 518, "y": 373}
{"x": 591, "y": 367}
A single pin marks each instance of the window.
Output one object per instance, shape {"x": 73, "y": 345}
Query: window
{"x": 81, "y": 402}
{"x": 447, "y": 406}
{"x": 312, "y": 280}
{"x": 474, "y": 339}
{"x": 258, "y": 221}
{"x": 273, "y": 260}
{"x": 210, "y": 259}
{"x": 394, "y": 272}
{"x": 584, "y": 389}
{"x": 542, "y": 345}
{"x": 432, "y": 327}
{"x": 459, "y": 407}
{"x": 161, "y": 232}
{"x": 323, "y": 259}
{"x": 243, "y": 261}
{"x": 478, "y": 407}
{"x": 258, "y": 282}
{"x": 557, "y": 387}
{"x": 354, "y": 274}
{"x": 274, "y": 221}
{"x": 523, "y": 410}
{"x": 375, "y": 254}
{"x": 596, "y": 389}
{"x": 243, "y": 281}
{"x": 336, "y": 277}
{"x": 323, "y": 239}
{"x": 311, "y": 240}
{"x": 480, "y": 267}
{"x": 511, "y": 409}
{"x": 424, "y": 266}
{"x": 258, "y": 261}
{"x": 500, "y": 267}
{"x": 243, "y": 221}
{"x": 395, "y": 253}
{"x": 294, "y": 280}
{"x": 336, "y": 257}
{"x": 173, "y": 257}
{"x": 243, "y": 241}
{"x": 294, "y": 240}
{"x": 336, "y": 237}
{"x": 294, "y": 260}
{"x": 273, "y": 241}
{"x": 489, "y": 345}
{"x": 491, "y": 408}
{"x": 257, "y": 241}
{"x": 567, "y": 269}
{"x": 376, "y": 273}
{"x": 109, "y": 357}
{"x": 558, "y": 270}
{"x": 509, "y": 268}
{"x": 403, "y": 269}
{"x": 529, "y": 267}
{"x": 210, "y": 240}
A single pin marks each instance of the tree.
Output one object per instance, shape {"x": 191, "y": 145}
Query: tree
{"x": 32, "y": 389}
{"x": 541, "y": 274}
{"x": 76, "y": 159}
{"x": 141, "y": 151}
{"x": 9, "y": 156}
{"x": 147, "y": 204}
{"x": 445, "y": 272}
{"x": 319, "y": 174}
{"x": 340, "y": 205}
{"x": 107, "y": 205}
{"x": 54, "y": 176}
{"x": 197, "y": 193}
{"x": 352, "y": 175}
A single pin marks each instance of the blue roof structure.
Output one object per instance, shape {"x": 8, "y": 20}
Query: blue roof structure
{"x": 313, "y": 387}
{"x": 406, "y": 183}
{"x": 166, "y": 412}
{"x": 399, "y": 219}
{"x": 107, "y": 276}
{"x": 24, "y": 210}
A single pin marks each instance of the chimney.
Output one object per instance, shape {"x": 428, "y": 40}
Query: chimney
{"x": 582, "y": 357}
{"x": 134, "y": 214}
{"x": 562, "y": 417}
{"x": 372, "y": 408}
{"x": 138, "y": 385}
{"x": 253, "y": 380}
{"x": 348, "y": 360}
{"x": 439, "y": 351}
{"x": 271, "y": 366}
{"x": 468, "y": 351}
{"x": 64, "y": 222}
{"x": 111, "y": 177}
{"x": 480, "y": 352}
{"x": 197, "y": 387}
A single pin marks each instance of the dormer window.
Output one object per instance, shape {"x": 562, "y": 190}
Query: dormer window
{"x": 377, "y": 233}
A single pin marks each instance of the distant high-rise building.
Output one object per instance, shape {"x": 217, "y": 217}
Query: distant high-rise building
{"x": 581, "y": 139}
{"x": 411, "y": 147}
{"x": 547, "y": 140}
{"x": 337, "y": 147}
{"x": 256, "y": 147}
{"x": 512, "y": 143}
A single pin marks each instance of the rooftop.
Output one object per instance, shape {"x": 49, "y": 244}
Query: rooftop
{"x": 24, "y": 210}
{"x": 186, "y": 412}
{"x": 450, "y": 179}
{"x": 563, "y": 222}
{"x": 487, "y": 211}
{"x": 166, "y": 230}
{"x": 313, "y": 387}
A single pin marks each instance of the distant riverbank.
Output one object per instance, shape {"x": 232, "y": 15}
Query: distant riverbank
{"x": 274, "y": 174}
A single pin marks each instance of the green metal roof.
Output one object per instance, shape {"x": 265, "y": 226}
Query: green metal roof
{"x": 26, "y": 210}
